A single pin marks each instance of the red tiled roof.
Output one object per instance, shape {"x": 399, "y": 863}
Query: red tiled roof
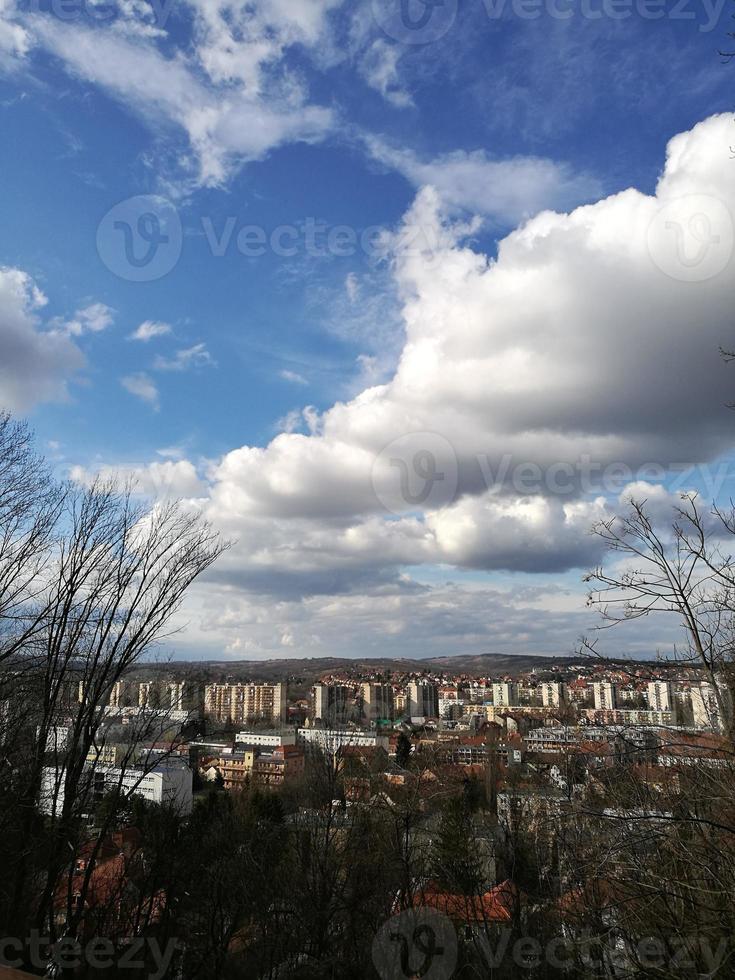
{"x": 497, "y": 905}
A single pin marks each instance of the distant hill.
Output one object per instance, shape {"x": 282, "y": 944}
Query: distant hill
{"x": 311, "y": 668}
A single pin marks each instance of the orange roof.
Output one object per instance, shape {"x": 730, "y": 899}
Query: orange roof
{"x": 497, "y": 905}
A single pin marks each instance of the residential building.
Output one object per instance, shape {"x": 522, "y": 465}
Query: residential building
{"x": 121, "y": 694}
{"x": 241, "y": 703}
{"x": 705, "y": 708}
{"x": 267, "y": 740}
{"x": 332, "y": 740}
{"x": 330, "y": 703}
{"x": 661, "y": 696}
{"x": 423, "y": 700}
{"x": 169, "y": 782}
{"x": 184, "y": 696}
{"x": 553, "y": 694}
{"x": 605, "y": 696}
{"x": 259, "y": 765}
{"x": 505, "y": 693}
{"x": 377, "y": 701}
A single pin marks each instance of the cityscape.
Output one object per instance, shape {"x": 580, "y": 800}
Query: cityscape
{"x": 367, "y": 490}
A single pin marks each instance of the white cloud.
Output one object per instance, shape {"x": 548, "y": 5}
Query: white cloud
{"x": 378, "y": 65}
{"x": 170, "y": 479}
{"x": 227, "y": 113}
{"x": 150, "y": 329}
{"x": 185, "y": 359}
{"x": 143, "y": 387}
{"x": 570, "y": 353}
{"x": 35, "y": 364}
{"x": 506, "y": 190}
{"x": 293, "y": 376}
{"x": 93, "y": 318}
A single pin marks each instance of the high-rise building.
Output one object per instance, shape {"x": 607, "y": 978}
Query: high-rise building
{"x": 423, "y": 699}
{"x": 505, "y": 693}
{"x": 377, "y": 701}
{"x": 121, "y": 694}
{"x": 149, "y": 694}
{"x": 661, "y": 696}
{"x": 330, "y": 703}
{"x": 705, "y": 708}
{"x": 184, "y": 696}
{"x": 242, "y": 703}
{"x": 605, "y": 695}
{"x": 553, "y": 694}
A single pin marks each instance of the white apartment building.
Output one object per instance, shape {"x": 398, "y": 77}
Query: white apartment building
{"x": 330, "y": 703}
{"x": 423, "y": 700}
{"x": 331, "y": 740}
{"x": 239, "y": 703}
{"x": 271, "y": 740}
{"x": 451, "y": 708}
{"x": 661, "y": 696}
{"x": 505, "y": 693}
{"x": 184, "y": 696}
{"x": 705, "y": 709}
{"x": 605, "y": 696}
{"x": 553, "y": 693}
{"x": 170, "y": 782}
{"x": 377, "y": 701}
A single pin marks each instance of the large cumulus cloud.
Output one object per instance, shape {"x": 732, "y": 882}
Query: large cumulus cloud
{"x": 580, "y": 349}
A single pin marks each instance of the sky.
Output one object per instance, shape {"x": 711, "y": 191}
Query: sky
{"x": 403, "y": 295}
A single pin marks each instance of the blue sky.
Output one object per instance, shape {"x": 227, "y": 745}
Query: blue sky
{"x": 262, "y": 384}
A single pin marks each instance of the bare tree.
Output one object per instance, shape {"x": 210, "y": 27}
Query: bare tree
{"x": 90, "y": 579}
{"x": 684, "y": 570}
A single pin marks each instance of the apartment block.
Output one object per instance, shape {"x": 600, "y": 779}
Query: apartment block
{"x": 377, "y": 701}
{"x": 661, "y": 696}
{"x": 505, "y": 693}
{"x": 241, "y": 703}
{"x": 553, "y": 694}
{"x": 330, "y": 703}
{"x": 605, "y": 696}
{"x": 423, "y": 699}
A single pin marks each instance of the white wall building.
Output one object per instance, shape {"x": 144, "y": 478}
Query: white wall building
{"x": 505, "y": 693}
{"x": 170, "y": 782}
{"x": 553, "y": 693}
{"x": 605, "y": 695}
{"x": 331, "y": 740}
{"x": 423, "y": 699}
{"x": 266, "y": 739}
